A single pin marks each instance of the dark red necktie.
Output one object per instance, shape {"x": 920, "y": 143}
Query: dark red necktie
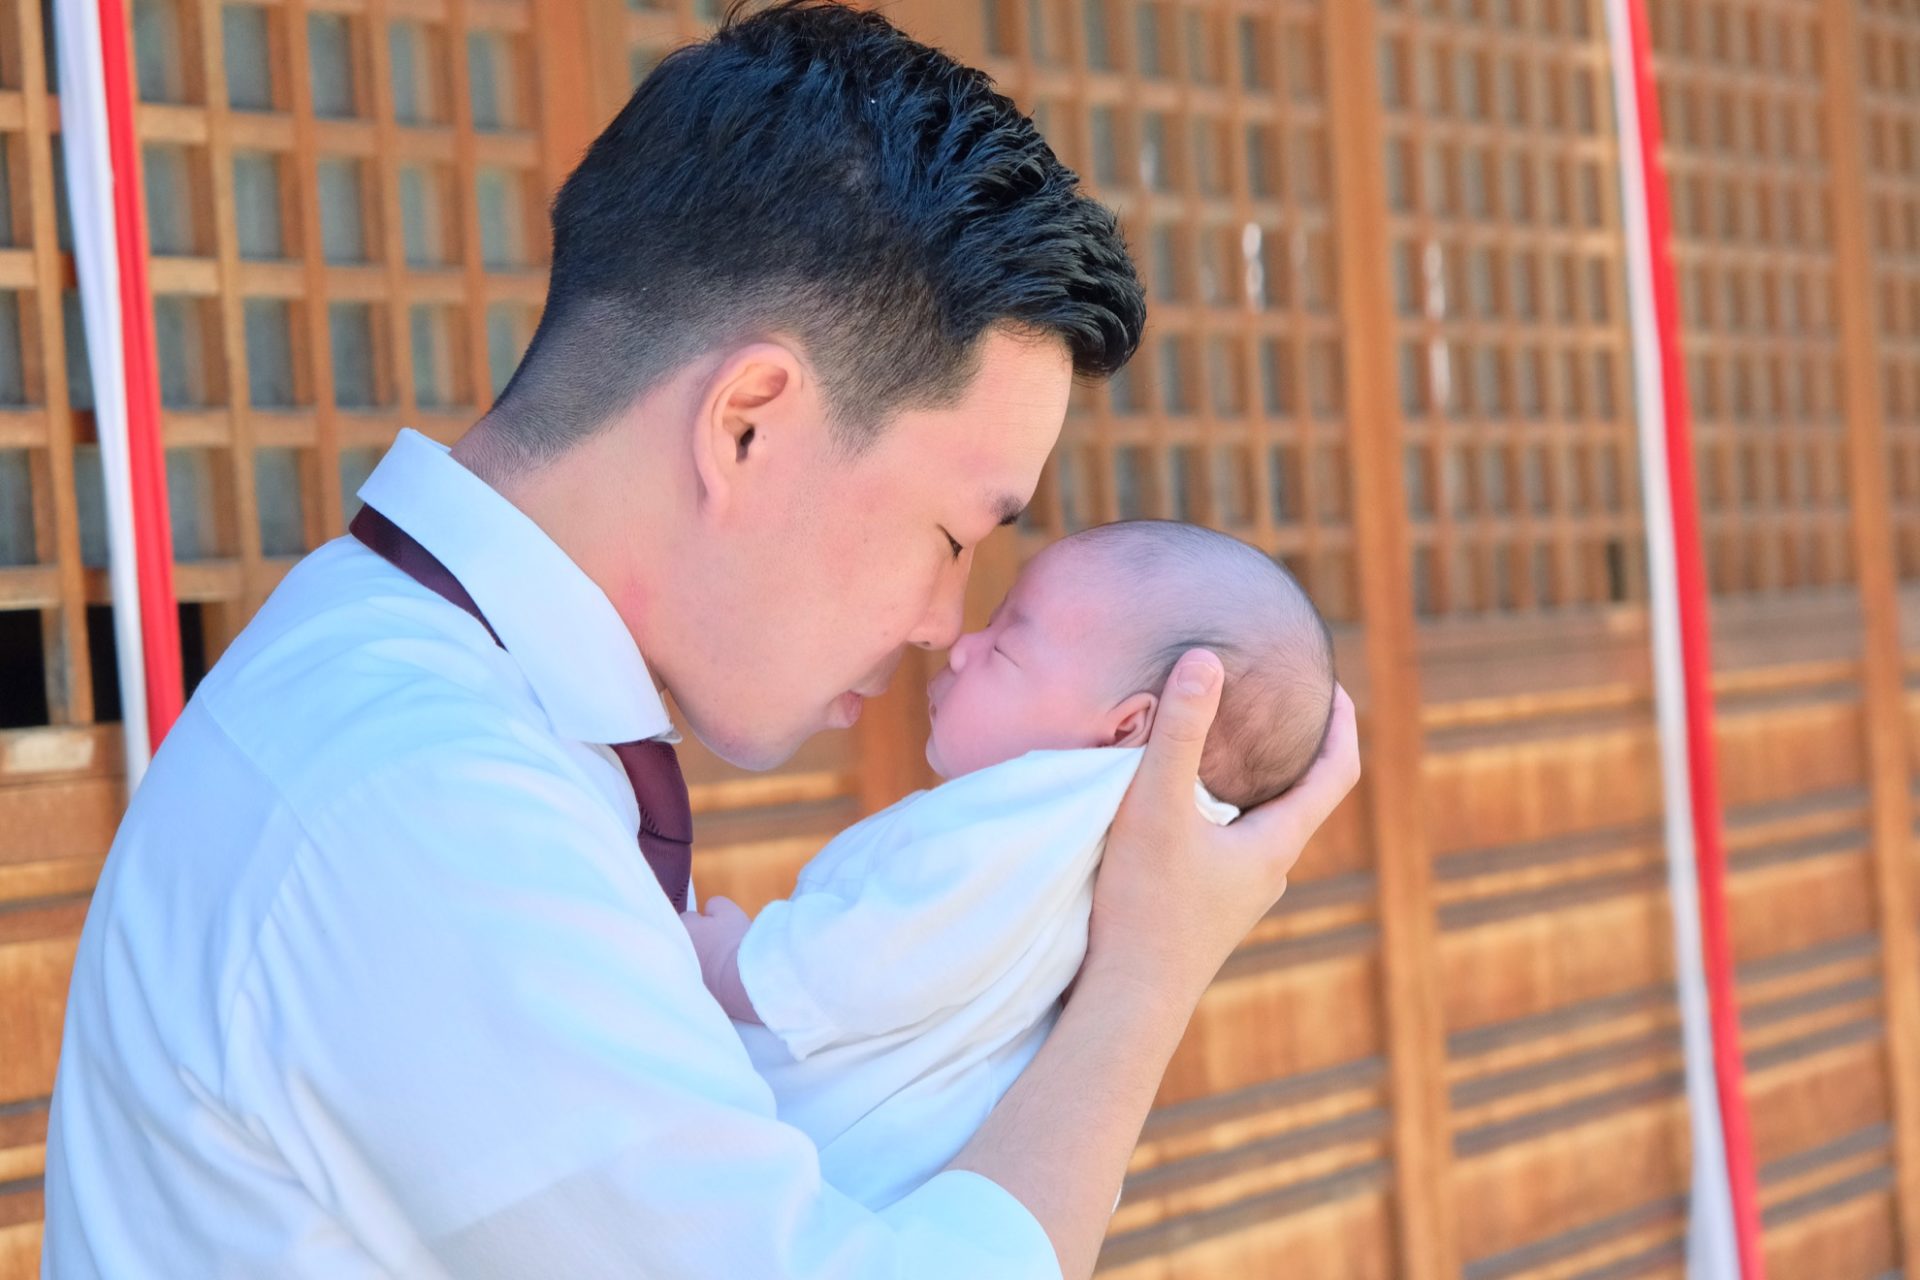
{"x": 653, "y": 767}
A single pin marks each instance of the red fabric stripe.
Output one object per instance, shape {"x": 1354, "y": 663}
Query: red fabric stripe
{"x": 1697, "y": 660}
{"x": 153, "y": 535}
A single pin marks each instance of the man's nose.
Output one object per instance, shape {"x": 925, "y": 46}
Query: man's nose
{"x": 944, "y": 618}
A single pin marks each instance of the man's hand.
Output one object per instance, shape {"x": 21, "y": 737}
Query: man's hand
{"x": 1175, "y": 893}
{"x": 716, "y": 934}
{"x": 1174, "y": 896}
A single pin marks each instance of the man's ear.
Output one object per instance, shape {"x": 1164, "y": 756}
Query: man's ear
{"x": 1132, "y": 721}
{"x": 748, "y": 397}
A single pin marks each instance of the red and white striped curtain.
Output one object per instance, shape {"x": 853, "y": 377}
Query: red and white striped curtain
{"x": 1723, "y": 1238}
{"x": 110, "y": 252}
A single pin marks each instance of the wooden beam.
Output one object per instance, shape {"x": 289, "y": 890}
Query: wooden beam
{"x": 69, "y": 680}
{"x": 1392, "y": 740}
{"x": 1883, "y": 682}
{"x": 316, "y": 371}
{"x": 565, "y": 79}
{"x": 225, "y": 622}
{"x": 466, "y": 167}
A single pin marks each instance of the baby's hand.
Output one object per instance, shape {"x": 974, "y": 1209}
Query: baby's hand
{"x": 716, "y": 934}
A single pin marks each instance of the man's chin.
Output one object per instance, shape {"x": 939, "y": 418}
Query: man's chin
{"x": 742, "y": 749}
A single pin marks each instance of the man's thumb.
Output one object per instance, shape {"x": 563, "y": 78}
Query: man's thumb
{"x": 1180, "y": 725}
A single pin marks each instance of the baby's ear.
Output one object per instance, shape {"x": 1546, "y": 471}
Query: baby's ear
{"x": 1133, "y": 721}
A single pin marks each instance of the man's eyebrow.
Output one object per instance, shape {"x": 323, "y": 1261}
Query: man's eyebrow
{"x": 1009, "y": 509}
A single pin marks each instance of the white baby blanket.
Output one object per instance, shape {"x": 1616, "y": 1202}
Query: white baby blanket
{"x": 918, "y": 965}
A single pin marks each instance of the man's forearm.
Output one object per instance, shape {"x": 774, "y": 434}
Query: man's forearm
{"x": 1061, "y": 1137}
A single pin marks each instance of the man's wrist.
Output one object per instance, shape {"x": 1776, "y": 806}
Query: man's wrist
{"x": 1116, "y": 983}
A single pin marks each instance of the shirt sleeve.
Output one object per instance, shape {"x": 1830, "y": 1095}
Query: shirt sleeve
{"x": 475, "y": 1030}
{"x": 936, "y": 901}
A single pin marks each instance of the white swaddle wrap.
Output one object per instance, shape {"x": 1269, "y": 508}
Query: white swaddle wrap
{"x": 918, "y": 965}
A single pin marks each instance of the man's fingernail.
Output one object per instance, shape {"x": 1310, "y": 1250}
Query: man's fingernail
{"x": 1198, "y": 677}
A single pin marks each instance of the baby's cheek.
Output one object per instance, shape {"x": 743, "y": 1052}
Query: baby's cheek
{"x": 966, "y": 733}
{"x": 1006, "y": 735}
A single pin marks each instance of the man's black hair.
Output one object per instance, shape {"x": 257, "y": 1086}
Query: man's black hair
{"x": 811, "y": 170}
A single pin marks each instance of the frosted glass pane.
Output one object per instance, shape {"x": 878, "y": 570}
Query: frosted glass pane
{"x": 16, "y": 508}
{"x": 1066, "y": 473}
{"x": 640, "y": 64}
{"x": 256, "y": 205}
{"x": 1130, "y": 482}
{"x": 49, "y": 47}
{"x": 1099, "y": 39}
{"x": 62, "y": 216}
{"x": 342, "y": 227}
{"x": 490, "y": 85}
{"x": 276, "y": 486}
{"x": 269, "y": 340}
{"x": 502, "y": 225}
{"x": 351, "y": 326}
{"x": 1124, "y": 391}
{"x": 1173, "y": 377}
{"x": 1147, "y": 40}
{"x": 403, "y": 59}
{"x": 432, "y": 377}
{"x": 423, "y": 219}
{"x": 90, "y": 503}
{"x": 158, "y": 60}
{"x": 13, "y": 372}
{"x": 183, "y": 347}
{"x": 1180, "y": 475}
{"x": 355, "y": 466}
{"x": 79, "y": 377}
{"x": 249, "y": 57}
{"x": 507, "y": 333}
{"x": 6, "y": 192}
{"x": 190, "y": 498}
{"x": 330, "y": 54}
{"x": 169, "y": 199}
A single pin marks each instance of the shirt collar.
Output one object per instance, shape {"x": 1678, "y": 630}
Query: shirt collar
{"x": 554, "y": 620}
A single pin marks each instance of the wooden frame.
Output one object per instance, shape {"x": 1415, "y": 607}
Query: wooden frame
{"x": 1452, "y": 1049}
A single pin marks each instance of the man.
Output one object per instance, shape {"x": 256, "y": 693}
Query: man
{"x": 375, "y": 980}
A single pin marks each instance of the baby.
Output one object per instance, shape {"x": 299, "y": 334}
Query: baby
{"x": 919, "y": 964}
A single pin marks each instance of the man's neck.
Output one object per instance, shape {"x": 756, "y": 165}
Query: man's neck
{"x": 593, "y": 500}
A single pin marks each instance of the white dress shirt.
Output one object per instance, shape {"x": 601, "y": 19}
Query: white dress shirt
{"x": 376, "y": 981}
{"x": 918, "y": 966}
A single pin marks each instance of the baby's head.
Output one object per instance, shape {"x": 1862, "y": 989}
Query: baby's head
{"x": 1078, "y": 652}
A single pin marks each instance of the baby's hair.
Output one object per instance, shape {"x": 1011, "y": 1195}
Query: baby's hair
{"x": 1193, "y": 588}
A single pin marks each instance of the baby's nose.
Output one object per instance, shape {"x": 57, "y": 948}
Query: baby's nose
{"x": 962, "y": 651}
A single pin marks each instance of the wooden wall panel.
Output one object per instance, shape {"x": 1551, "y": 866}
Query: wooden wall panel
{"x": 1766, "y": 150}
{"x": 1873, "y": 62}
{"x": 59, "y": 797}
{"x": 1387, "y": 345}
{"x": 1541, "y": 798}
